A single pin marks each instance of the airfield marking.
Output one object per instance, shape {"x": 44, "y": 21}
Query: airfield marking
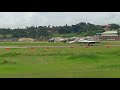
{"x": 7, "y": 49}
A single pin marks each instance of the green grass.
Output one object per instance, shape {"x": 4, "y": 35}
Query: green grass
{"x": 53, "y": 43}
{"x": 78, "y": 62}
{"x": 111, "y": 42}
{"x": 35, "y": 44}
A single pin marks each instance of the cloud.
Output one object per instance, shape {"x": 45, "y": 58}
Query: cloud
{"x": 23, "y": 19}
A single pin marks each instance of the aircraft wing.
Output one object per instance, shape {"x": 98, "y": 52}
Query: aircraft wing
{"x": 86, "y": 41}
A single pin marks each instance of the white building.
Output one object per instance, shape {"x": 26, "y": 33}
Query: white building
{"x": 109, "y": 35}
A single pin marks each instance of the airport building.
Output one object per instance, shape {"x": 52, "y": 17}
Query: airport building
{"x": 110, "y": 35}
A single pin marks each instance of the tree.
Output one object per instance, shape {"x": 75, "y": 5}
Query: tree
{"x": 31, "y": 31}
{"x": 42, "y": 32}
{"x": 4, "y": 32}
{"x": 114, "y": 26}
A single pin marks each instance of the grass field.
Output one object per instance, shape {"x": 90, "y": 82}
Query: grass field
{"x": 34, "y": 44}
{"x": 97, "y": 61}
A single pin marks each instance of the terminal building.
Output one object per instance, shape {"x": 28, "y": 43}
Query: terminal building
{"x": 110, "y": 35}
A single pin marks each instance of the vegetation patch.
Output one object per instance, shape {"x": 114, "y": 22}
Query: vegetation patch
{"x": 85, "y": 56}
{"x": 117, "y": 53}
{"x": 4, "y": 61}
{"x": 54, "y": 54}
{"x": 14, "y": 54}
{"x": 111, "y": 66}
{"x": 10, "y": 54}
{"x": 60, "y": 62}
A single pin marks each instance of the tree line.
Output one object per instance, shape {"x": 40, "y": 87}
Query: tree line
{"x": 83, "y": 29}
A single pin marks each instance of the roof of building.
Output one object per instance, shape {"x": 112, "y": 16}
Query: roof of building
{"x": 110, "y": 32}
{"x": 110, "y": 35}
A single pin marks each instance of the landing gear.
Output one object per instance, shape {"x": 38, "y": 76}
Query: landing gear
{"x": 90, "y": 44}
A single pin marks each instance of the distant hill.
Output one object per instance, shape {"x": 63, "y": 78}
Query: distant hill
{"x": 44, "y": 32}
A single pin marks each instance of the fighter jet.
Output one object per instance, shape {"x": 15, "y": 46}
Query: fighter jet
{"x": 82, "y": 41}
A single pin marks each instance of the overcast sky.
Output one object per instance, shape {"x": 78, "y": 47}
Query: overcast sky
{"x": 23, "y": 19}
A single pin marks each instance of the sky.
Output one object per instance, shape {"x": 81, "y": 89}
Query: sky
{"x": 23, "y": 19}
